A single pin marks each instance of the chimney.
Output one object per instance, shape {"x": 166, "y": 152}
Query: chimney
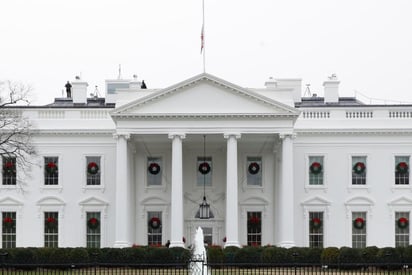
{"x": 79, "y": 91}
{"x": 331, "y": 89}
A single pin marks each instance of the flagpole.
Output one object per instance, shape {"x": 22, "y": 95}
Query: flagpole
{"x": 203, "y": 37}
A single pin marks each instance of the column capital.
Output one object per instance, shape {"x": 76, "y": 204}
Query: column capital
{"x": 287, "y": 135}
{"x": 180, "y": 135}
{"x": 119, "y": 135}
{"x": 228, "y": 135}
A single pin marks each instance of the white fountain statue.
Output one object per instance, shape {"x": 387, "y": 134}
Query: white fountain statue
{"x": 199, "y": 265}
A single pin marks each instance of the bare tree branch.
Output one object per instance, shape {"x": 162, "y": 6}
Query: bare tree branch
{"x": 15, "y": 129}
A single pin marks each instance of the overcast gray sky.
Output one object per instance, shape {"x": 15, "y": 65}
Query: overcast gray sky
{"x": 367, "y": 43}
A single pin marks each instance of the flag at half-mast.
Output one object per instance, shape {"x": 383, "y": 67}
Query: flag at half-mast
{"x": 202, "y": 39}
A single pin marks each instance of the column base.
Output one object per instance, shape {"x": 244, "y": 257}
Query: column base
{"x": 176, "y": 244}
{"x": 231, "y": 244}
{"x": 287, "y": 244}
{"x": 121, "y": 244}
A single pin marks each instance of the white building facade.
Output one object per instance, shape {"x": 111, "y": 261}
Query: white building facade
{"x": 276, "y": 168}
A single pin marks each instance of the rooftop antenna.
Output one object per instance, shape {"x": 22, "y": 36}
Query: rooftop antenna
{"x": 307, "y": 91}
{"x": 120, "y": 72}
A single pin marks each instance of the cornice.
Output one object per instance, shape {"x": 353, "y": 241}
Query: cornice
{"x": 203, "y": 116}
{"x": 74, "y": 132}
{"x": 336, "y": 132}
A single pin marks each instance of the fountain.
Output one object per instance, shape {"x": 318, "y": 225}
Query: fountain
{"x": 199, "y": 256}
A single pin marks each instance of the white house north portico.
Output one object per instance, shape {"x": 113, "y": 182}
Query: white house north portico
{"x": 275, "y": 168}
{"x": 224, "y": 113}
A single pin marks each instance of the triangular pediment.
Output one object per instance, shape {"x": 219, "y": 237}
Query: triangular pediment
{"x": 93, "y": 201}
{"x": 401, "y": 201}
{"x": 316, "y": 201}
{"x": 204, "y": 95}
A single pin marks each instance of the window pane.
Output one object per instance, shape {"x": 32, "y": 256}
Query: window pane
{"x": 316, "y": 170}
{"x": 401, "y": 229}
{"x": 9, "y": 171}
{"x": 93, "y": 170}
{"x": 51, "y": 229}
{"x": 254, "y": 171}
{"x": 254, "y": 228}
{"x": 358, "y": 170}
{"x": 316, "y": 229}
{"x": 93, "y": 225}
{"x": 154, "y": 171}
{"x": 208, "y": 235}
{"x": 402, "y": 170}
{"x": 9, "y": 230}
{"x": 204, "y": 165}
{"x": 359, "y": 229}
{"x": 51, "y": 172}
{"x": 154, "y": 228}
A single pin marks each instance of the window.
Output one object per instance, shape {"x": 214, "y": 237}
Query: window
{"x": 358, "y": 229}
{"x": 154, "y": 171}
{"x": 51, "y": 172}
{"x": 208, "y": 235}
{"x": 204, "y": 171}
{"x": 8, "y": 234}
{"x": 358, "y": 170}
{"x": 316, "y": 229}
{"x": 93, "y": 229}
{"x": 316, "y": 170}
{"x": 402, "y": 170}
{"x": 254, "y": 171}
{"x": 9, "y": 171}
{"x": 401, "y": 229}
{"x": 93, "y": 170}
{"x": 51, "y": 229}
{"x": 154, "y": 231}
{"x": 254, "y": 228}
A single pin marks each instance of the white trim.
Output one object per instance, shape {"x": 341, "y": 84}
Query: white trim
{"x": 84, "y": 185}
{"x": 401, "y": 186}
{"x": 352, "y": 187}
{"x": 324, "y": 186}
{"x": 315, "y": 204}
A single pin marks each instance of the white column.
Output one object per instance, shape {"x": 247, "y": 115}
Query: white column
{"x": 176, "y": 216}
{"x": 122, "y": 211}
{"x": 286, "y": 194}
{"x": 232, "y": 207}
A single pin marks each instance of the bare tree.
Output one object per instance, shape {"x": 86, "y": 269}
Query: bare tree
{"x": 15, "y": 129}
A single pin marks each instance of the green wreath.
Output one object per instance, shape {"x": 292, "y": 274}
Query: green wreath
{"x": 402, "y": 167}
{"x": 51, "y": 223}
{"x": 359, "y": 168}
{"x": 93, "y": 223}
{"x": 154, "y": 168}
{"x": 8, "y": 222}
{"x": 51, "y": 168}
{"x": 315, "y": 168}
{"x": 403, "y": 223}
{"x": 92, "y": 168}
{"x": 9, "y": 168}
{"x": 155, "y": 223}
{"x": 204, "y": 168}
{"x": 359, "y": 223}
{"x": 315, "y": 223}
{"x": 254, "y": 168}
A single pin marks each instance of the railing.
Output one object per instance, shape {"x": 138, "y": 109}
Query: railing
{"x": 213, "y": 268}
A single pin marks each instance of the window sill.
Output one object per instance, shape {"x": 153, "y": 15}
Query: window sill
{"x": 401, "y": 187}
{"x": 58, "y": 188}
{"x": 155, "y": 187}
{"x": 358, "y": 187}
{"x": 316, "y": 187}
{"x": 93, "y": 187}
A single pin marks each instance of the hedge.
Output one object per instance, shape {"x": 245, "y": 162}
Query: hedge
{"x": 344, "y": 257}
